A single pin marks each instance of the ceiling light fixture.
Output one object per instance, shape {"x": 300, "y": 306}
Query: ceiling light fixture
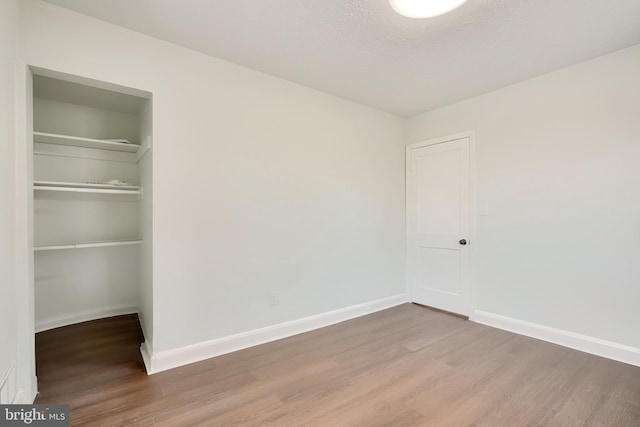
{"x": 424, "y": 8}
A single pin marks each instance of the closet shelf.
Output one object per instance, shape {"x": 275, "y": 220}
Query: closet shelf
{"x": 75, "y": 141}
{"x": 81, "y": 187}
{"x": 88, "y": 245}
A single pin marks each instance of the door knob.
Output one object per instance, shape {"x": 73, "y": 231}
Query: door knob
{"x": 462, "y": 242}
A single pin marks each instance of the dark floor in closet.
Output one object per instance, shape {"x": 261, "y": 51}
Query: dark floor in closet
{"x": 87, "y": 357}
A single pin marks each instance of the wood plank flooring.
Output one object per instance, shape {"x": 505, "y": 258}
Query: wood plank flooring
{"x": 406, "y": 366}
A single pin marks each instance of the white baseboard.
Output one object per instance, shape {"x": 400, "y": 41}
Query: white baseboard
{"x": 169, "y": 359}
{"x": 146, "y": 350}
{"x": 596, "y": 346}
{"x": 19, "y": 399}
{"x": 85, "y": 316}
{"x": 9, "y": 385}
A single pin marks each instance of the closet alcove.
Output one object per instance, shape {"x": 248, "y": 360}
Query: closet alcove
{"x": 92, "y": 201}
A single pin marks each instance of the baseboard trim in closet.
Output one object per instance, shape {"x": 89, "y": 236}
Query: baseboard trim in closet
{"x": 85, "y": 316}
{"x": 587, "y": 344}
{"x": 164, "y": 360}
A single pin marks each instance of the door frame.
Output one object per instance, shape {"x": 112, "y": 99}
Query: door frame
{"x": 471, "y": 285}
{"x": 26, "y": 366}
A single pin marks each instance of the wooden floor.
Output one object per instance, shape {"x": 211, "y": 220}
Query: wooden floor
{"x": 406, "y": 366}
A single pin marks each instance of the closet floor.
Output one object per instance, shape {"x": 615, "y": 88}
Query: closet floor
{"x": 77, "y": 361}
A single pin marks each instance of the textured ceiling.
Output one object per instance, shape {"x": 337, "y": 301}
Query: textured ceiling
{"x": 363, "y": 51}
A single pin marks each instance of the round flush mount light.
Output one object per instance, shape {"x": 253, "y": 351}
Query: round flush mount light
{"x": 424, "y": 8}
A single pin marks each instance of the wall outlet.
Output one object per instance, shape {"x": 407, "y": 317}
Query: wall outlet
{"x": 273, "y": 298}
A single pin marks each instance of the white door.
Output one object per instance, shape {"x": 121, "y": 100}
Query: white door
{"x": 438, "y": 214}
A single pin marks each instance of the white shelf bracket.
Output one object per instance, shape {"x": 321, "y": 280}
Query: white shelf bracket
{"x": 144, "y": 149}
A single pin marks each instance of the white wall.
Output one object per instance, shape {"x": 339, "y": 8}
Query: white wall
{"x": 8, "y": 313}
{"x": 557, "y": 163}
{"x": 259, "y": 184}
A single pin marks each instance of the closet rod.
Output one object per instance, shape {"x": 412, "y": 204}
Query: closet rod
{"x": 87, "y": 245}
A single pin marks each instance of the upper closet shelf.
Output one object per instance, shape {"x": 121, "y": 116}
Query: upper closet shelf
{"x": 75, "y": 141}
{"x": 88, "y": 245}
